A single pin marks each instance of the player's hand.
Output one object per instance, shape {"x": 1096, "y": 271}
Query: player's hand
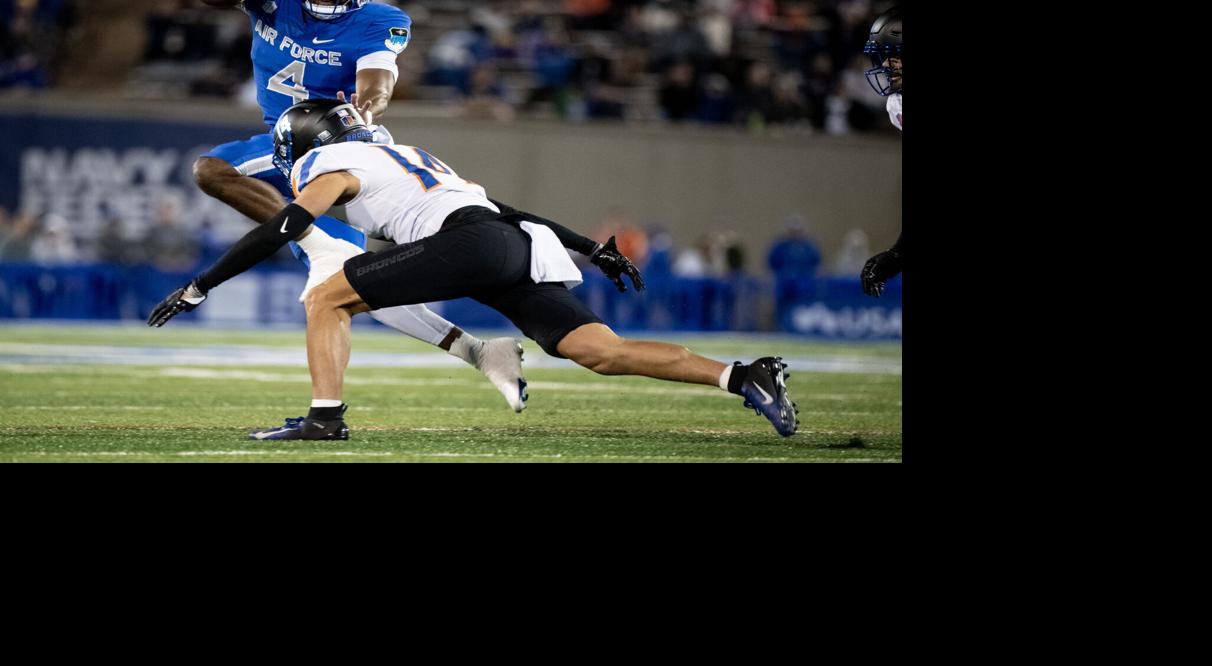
{"x": 878, "y": 271}
{"x": 614, "y": 264}
{"x": 184, "y": 299}
{"x": 363, "y": 110}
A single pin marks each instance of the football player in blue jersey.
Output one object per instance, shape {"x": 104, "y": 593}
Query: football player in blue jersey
{"x": 305, "y": 49}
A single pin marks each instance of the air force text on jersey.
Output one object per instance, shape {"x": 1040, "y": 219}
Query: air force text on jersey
{"x": 296, "y": 58}
{"x": 297, "y": 50}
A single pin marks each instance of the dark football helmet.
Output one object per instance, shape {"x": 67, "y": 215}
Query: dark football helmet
{"x": 315, "y": 123}
{"x": 883, "y": 43}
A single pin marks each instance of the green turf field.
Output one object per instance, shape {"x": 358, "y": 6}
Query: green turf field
{"x": 132, "y": 394}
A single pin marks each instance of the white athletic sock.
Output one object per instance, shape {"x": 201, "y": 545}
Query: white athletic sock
{"x": 727, "y": 374}
{"x": 465, "y": 347}
{"x": 326, "y": 403}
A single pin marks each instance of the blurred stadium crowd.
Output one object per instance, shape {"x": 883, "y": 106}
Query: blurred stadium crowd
{"x": 47, "y": 272}
{"x": 790, "y": 65}
{"x": 171, "y": 246}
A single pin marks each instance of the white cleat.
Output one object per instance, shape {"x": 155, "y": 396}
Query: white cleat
{"x": 500, "y": 359}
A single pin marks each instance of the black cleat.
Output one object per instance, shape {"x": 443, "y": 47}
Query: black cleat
{"x": 765, "y": 392}
{"x": 306, "y": 429}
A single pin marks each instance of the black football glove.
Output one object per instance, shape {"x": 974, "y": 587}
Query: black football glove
{"x": 879, "y": 269}
{"x": 184, "y": 299}
{"x": 612, "y": 262}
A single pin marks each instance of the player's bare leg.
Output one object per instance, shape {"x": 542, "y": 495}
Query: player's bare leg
{"x": 761, "y": 383}
{"x": 255, "y": 199}
{"x": 330, "y": 309}
{"x": 596, "y": 347}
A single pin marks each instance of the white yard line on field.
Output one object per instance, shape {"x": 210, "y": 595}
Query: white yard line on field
{"x": 20, "y": 353}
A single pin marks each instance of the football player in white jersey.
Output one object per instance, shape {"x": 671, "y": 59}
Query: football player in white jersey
{"x": 324, "y": 48}
{"x": 884, "y": 47}
{"x": 451, "y": 242}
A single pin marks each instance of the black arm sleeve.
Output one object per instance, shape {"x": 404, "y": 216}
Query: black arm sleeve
{"x": 568, "y": 238}
{"x": 897, "y": 247}
{"x": 256, "y": 246}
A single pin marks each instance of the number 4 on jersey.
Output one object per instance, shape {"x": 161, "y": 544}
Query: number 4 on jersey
{"x": 292, "y": 72}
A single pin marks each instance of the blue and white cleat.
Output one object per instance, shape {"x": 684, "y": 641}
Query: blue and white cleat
{"x": 765, "y": 392}
{"x": 306, "y": 429}
{"x": 500, "y": 359}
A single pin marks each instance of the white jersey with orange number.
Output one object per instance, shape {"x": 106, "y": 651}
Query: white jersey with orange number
{"x": 406, "y": 192}
{"x": 894, "y": 110}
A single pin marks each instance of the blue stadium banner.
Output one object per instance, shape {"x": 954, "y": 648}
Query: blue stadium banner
{"x": 89, "y": 170}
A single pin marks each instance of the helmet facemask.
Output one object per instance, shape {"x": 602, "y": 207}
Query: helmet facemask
{"x": 880, "y": 76}
{"x": 884, "y": 44}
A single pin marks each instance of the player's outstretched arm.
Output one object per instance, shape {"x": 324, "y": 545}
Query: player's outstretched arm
{"x": 568, "y": 238}
{"x": 293, "y": 222}
{"x": 605, "y": 256}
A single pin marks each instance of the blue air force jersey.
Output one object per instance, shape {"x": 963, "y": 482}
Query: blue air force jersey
{"x": 297, "y": 57}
